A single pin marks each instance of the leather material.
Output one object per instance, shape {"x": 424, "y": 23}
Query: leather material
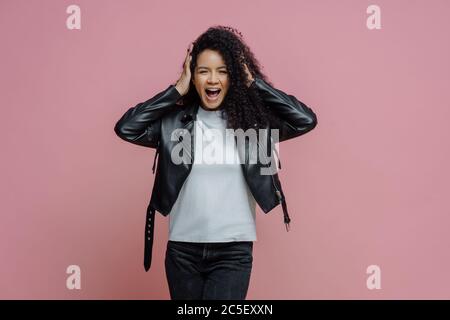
{"x": 153, "y": 124}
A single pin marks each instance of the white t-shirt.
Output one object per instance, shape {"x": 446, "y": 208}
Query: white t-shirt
{"x": 214, "y": 203}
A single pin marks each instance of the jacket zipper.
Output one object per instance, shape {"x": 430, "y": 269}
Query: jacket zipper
{"x": 156, "y": 155}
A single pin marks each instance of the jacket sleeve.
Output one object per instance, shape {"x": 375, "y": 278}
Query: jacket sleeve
{"x": 296, "y": 118}
{"x": 141, "y": 124}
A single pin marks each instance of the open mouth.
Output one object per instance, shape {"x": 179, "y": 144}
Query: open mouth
{"x": 212, "y": 94}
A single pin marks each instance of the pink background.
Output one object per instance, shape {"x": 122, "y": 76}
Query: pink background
{"x": 368, "y": 185}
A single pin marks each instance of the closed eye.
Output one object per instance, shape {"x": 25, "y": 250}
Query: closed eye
{"x": 223, "y": 72}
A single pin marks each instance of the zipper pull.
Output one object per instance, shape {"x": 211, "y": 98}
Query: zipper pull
{"x": 278, "y": 194}
{"x": 154, "y": 159}
{"x": 287, "y": 220}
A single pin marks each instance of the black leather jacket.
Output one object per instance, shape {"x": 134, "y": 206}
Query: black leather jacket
{"x": 151, "y": 123}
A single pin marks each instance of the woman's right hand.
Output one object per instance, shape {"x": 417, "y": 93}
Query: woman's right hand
{"x": 185, "y": 79}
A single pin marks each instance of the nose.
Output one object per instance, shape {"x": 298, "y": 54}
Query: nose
{"x": 212, "y": 77}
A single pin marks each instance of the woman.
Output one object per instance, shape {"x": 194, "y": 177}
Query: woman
{"x": 211, "y": 204}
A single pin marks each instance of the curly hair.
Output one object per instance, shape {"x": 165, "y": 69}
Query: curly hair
{"x": 243, "y": 106}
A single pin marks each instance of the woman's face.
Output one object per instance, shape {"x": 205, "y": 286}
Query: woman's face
{"x": 211, "y": 73}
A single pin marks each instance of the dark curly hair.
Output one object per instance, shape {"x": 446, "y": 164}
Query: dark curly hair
{"x": 243, "y": 106}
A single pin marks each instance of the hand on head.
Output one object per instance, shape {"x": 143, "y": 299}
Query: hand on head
{"x": 184, "y": 81}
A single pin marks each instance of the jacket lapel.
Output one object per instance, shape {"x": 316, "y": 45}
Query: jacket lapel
{"x": 187, "y": 122}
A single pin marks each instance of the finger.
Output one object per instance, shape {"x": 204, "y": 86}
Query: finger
{"x": 186, "y": 61}
{"x": 189, "y": 49}
{"x": 189, "y": 59}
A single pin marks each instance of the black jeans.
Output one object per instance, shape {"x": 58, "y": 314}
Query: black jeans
{"x": 206, "y": 271}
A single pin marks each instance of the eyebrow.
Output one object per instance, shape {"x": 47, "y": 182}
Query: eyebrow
{"x": 203, "y": 67}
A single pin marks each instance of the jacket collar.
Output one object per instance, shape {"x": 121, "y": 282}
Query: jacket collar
{"x": 190, "y": 113}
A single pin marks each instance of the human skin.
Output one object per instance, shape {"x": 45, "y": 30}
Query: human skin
{"x": 210, "y": 73}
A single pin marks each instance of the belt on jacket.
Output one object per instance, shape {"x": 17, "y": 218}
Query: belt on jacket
{"x": 150, "y": 226}
{"x": 149, "y": 231}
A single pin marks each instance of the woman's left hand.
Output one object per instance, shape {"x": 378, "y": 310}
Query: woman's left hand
{"x": 250, "y": 78}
